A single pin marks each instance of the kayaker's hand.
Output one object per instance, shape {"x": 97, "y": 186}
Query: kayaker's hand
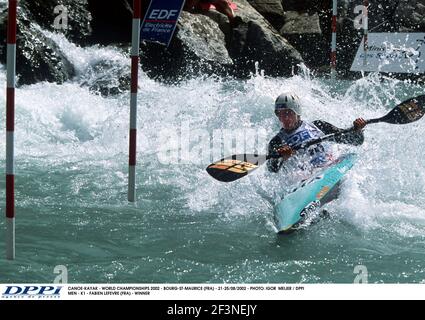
{"x": 285, "y": 152}
{"x": 359, "y": 124}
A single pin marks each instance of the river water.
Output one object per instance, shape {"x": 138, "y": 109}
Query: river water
{"x": 71, "y": 183}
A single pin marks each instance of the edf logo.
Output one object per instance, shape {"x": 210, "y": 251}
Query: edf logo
{"x": 13, "y": 291}
{"x": 158, "y": 14}
{"x": 299, "y": 138}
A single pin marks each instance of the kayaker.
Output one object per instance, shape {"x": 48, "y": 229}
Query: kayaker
{"x": 296, "y": 131}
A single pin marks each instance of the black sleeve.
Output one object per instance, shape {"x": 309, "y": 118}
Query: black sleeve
{"x": 274, "y": 164}
{"x": 355, "y": 138}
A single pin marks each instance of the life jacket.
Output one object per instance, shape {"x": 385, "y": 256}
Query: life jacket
{"x": 319, "y": 153}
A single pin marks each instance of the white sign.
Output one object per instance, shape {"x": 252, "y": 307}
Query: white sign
{"x": 392, "y": 52}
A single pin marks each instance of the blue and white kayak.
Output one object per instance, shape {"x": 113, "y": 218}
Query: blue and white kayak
{"x": 311, "y": 194}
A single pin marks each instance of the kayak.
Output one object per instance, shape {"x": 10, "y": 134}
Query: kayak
{"x": 311, "y": 194}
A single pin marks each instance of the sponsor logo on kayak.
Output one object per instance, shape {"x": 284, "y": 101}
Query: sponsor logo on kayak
{"x": 322, "y": 192}
{"x": 343, "y": 170}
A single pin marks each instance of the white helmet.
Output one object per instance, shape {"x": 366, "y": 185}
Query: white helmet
{"x": 288, "y": 101}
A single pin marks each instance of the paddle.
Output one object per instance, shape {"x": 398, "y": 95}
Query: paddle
{"x": 239, "y": 165}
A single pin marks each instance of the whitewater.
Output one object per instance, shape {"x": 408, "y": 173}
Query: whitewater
{"x": 71, "y": 162}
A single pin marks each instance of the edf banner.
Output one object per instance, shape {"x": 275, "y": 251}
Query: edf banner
{"x": 161, "y": 20}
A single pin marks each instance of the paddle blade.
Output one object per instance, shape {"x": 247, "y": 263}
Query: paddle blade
{"x": 408, "y": 111}
{"x": 235, "y": 167}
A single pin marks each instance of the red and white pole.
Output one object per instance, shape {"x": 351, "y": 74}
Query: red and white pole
{"x": 333, "y": 45}
{"x": 135, "y": 44}
{"x": 365, "y": 30}
{"x": 10, "y": 127}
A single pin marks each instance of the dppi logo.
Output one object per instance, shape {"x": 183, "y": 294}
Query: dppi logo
{"x": 31, "y": 292}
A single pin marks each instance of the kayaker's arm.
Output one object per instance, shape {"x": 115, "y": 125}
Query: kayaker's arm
{"x": 355, "y": 138}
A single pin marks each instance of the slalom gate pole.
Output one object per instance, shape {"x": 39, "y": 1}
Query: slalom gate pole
{"x": 333, "y": 45}
{"x": 365, "y": 30}
{"x": 135, "y": 44}
{"x": 10, "y": 128}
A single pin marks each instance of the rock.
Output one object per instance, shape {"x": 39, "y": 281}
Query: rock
{"x": 300, "y": 23}
{"x": 272, "y": 10}
{"x": 49, "y": 15}
{"x": 303, "y": 31}
{"x": 206, "y": 44}
{"x": 38, "y": 57}
{"x": 255, "y": 40}
{"x": 89, "y": 21}
{"x": 112, "y": 21}
{"x": 310, "y": 6}
{"x": 296, "y": 5}
{"x": 204, "y": 38}
{"x": 198, "y": 48}
{"x": 255, "y": 43}
{"x": 410, "y": 15}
